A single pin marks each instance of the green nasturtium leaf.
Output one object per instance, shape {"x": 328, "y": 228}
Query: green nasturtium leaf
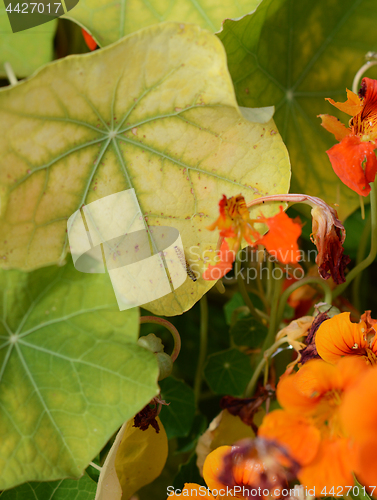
{"x": 108, "y": 21}
{"x": 70, "y": 372}
{"x": 65, "y": 489}
{"x": 26, "y": 50}
{"x": 155, "y": 112}
{"x": 178, "y": 416}
{"x": 247, "y": 331}
{"x": 228, "y": 372}
{"x": 293, "y": 54}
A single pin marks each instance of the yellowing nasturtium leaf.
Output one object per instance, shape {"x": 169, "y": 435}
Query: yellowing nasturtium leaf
{"x": 293, "y": 54}
{"x": 26, "y": 50}
{"x": 155, "y": 112}
{"x": 136, "y": 458}
{"x": 70, "y": 372}
{"x": 109, "y": 21}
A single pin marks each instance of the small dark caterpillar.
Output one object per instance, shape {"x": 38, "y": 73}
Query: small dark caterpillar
{"x": 185, "y": 264}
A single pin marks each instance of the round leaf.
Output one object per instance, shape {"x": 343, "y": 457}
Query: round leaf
{"x": 178, "y": 416}
{"x": 70, "y": 372}
{"x": 110, "y": 21}
{"x": 65, "y": 489}
{"x": 247, "y": 331}
{"x": 25, "y": 51}
{"x": 155, "y": 112}
{"x": 228, "y": 372}
{"x": 293, "y": 54}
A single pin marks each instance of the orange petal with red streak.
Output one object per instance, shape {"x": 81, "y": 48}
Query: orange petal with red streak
{"x": 338, "y": 336}
{"x": 334, "y": 126}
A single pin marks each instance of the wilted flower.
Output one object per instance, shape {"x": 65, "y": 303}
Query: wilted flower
{"x": 353, "y": 159}
{"x": 328, "y": 235}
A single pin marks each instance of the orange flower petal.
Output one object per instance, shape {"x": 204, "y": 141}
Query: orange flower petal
{"x": 293, "y": 431}
{"x": 332, "y": 467}
{"x": 334, "y": 126}
{"x": 213, "y": 467}
{"x": 192, "y": 490}
{"x": 292, "y": 396}
{"x": 366, "y": 463}
{"x": 281, "y": 239}
{"x": 338, "y": 337}
{"x": 365, "y": 123}
{"x": 358, "y": 411}
{"x": 355, "y": 163}
{"x": 224, "y": 265}
{"x": 90, "y": 42}
{"x": 352, "y": 106}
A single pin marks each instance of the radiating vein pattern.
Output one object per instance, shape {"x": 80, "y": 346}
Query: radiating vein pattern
{"x": 70, "y": 372}
{"x": 300, "y": 53}
{"x": 155, "y": 112}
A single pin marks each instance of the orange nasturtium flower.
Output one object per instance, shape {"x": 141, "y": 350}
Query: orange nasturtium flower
{"x": 281, "y": 239}
{"x": 338, "y": 336}
{"x": 234, "y": 223}
{"x": 89, "y": 40}
{"x": 311, "y": 423}
{"x": 353, "y": 159}
{"x": 253, "y": 468}
{"x": 359, "y": 417}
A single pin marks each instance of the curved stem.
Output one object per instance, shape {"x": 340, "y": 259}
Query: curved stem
{"x": 172, "y": 329}
{"x": 268, "y": 343}
{"x": 251, "y": 386}
{"x": 305, "y": 281}
{"x": 359, "y": 74}
{"x": 202, "y": 346}
{"x": 373, "y": 249}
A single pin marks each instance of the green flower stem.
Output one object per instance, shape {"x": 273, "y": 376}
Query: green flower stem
{"x": 269, "y": 340}
{"x": 172, "y": 329}
{"x": 242, "y": 287}
{"x": 373, "y": 249}
{"x": 361, "y": 251}
{"x": 305, "y": 281}
{"x": 95, "y": 466}
{"x": 266, "y": 355}
{"x": 202, "y": 346}
{"x": 10, "y": 74}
